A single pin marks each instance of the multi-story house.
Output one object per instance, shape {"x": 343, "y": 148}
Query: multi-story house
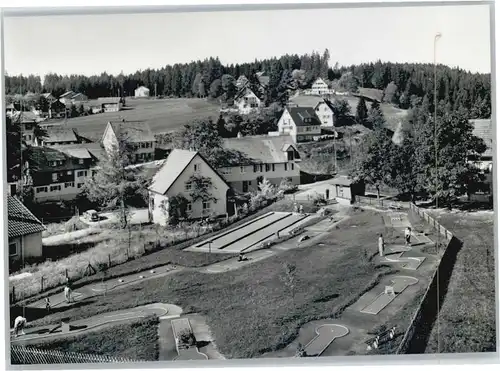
{"x": 318, "y": 104}
{"x": 56, "y": 135}
{"x": 246, "y": 101}
{"x": 273, "y": 158}
{"x": 58, "y": 174}
{"x": 136, "y": 134}
{"x": 28, "y": 122}
{"x": 319, "y": 87}
{"x": 175, "y": 178}
{"x": 301, "y": 123}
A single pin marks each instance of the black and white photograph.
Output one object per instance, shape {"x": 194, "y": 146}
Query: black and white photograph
{"x": 240, "y": 184}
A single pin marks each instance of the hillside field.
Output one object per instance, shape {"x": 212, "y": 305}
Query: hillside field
{"x": 162, "y": 115}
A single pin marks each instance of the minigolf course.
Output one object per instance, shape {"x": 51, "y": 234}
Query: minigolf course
{"x": 395, "y": 255}
{"x": 251, "y": 234}
{"x": 399, "y": 284}
{"x": 326, "y": 334}
{"x": 67, "y": 329}
{"x": 186, "y": 353}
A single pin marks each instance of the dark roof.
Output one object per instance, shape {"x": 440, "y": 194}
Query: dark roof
{"x": 484, "y": 129}
{"x": 83, "y": 150}
{"x": 42, "y": 157}
{"x": 370, "y": 94}
{"x": 133, "y": 131}
{"x": 20, "y": 220}
{"x": 259, "y": 149}
{"x": 306, "y": 101}
{"x": 304, "y": 116}
{"x": 107, "y": 100}
{"x": 58, "y": 134}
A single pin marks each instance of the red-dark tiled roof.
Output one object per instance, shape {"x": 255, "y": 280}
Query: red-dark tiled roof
{"x": 20, "y": 220}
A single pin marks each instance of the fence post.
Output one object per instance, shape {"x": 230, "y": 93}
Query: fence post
{"x": 66, "y": 273}
{"x": 109, "y": 260}
{"x": 13, "y": 294}
{"x": 41, "y": 284}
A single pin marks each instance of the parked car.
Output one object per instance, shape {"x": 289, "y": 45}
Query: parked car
{"x": 91, "y": 216}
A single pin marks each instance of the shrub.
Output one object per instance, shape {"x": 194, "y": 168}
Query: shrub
{"x": 187, "y": 338}
{"x": 319, "y": 199}
{"x": 286, "y": 186}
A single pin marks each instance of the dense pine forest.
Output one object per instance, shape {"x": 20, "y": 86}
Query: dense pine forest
{"x": 403, "y": 84}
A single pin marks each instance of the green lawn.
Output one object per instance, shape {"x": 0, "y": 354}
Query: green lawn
{"x": 137, "y": 340}
{"x": 467, "y": 316}
{"x": 250, "y": 311}
{"x": 162, "y": 115}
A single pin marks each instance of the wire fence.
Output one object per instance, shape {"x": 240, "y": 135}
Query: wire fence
{"x": 33, "y": 356}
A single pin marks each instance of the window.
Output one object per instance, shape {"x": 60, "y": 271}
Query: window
{"x": 189, "y": 207}
{"x": 273, "y": 167}
{"x": 188, "y": 186}
{"x": 12, "y": 248}
{"x": 261, "y": 168}
{"x": 226, "y": 170}
{"x": 255, "y": 169}
{"x": 80, "y": 161}
{"x": 268, "y": 167}
{"x": 245, "y": 186}
{"x": 41, "y": 189}
{"x": 69, "y": 184}
{"x": 196, "y": 167}
{"x": 55, "y": 188}
{"x": 286, "y": 167}
{"x": 82, "y": 173}
{"x": 290, "y": 156}
{"x": 242, "y": 169}
{"x": 54, "y": 177}
{"x": 292, "y": 166}
{"x": 206, "y": 207}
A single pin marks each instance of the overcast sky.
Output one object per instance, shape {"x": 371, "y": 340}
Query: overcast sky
{"x": 114, "y": 43}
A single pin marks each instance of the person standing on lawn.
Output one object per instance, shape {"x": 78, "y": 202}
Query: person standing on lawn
{"x": 47, "y": 304}
{"x": 408, "y": 236}
{"x": 67, "y": 293}
{"x": 19, "y": 324}
{"x": 381, "y": 245}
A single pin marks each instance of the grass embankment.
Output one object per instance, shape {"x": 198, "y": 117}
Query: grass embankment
{"x": 137, "y": 340}
{"x": 251, "y": 311}
{"x": 467, "y": 315}
{"x": 150, "y": 246}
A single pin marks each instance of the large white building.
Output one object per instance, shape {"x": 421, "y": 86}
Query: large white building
{"x": 318, "y": 104}
{"x": 272, "y": 158}
{"x": 141, "y": 92}
{"x": 320, "y": 87}
{"x": 175, "y": 178}
{"x": 301, "y": 123}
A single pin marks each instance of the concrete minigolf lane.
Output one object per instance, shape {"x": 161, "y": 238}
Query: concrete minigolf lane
{"x": 396, "y": 256}
{"x": 326, "y": 334}
{"x": 399, "y": 284}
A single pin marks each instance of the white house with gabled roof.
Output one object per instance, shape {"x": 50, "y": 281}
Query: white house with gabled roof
{"x": 320, "y": 87}
{"x": 246, "y": 102}
{"x": 175, "y": 178}
{"x": 318, "y": 104}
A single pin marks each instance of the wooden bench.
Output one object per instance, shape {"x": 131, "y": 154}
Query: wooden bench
{"x": 383, "y": 337}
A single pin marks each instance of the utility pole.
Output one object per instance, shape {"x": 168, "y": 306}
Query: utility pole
{"x": 156, "y": 95}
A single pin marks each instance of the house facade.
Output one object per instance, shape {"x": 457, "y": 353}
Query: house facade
{"x": 272, "y": 158}
{"x": 321, "y": 108}
{"x": 320, "y": 87}
{"x": 57, "y": 174}
{"x": 483, "y": 129}
{"x": 246, "y": 102}
{"x": 25, "y": 232}
{"x": 70, "y": 97}
{"x": 138, "y": 136}
{"x": 109, "y": 104}
{"x": 301, "y": 123}
{"x": 141, "y": 92}
{"x": 175, "y": 178}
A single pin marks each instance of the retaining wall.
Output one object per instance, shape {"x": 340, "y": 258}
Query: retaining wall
{"x": 416, "y": 336}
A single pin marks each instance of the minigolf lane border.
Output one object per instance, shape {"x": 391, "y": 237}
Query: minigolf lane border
{"x": 329, "y": 337}
{"x": 119, "y": 317}
{"x": 411, "y": 263}
{"x": 389, "y": 298}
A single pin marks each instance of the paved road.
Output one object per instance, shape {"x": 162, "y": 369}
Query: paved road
{"x": 326, "y": 334}
{"x": 399, "y": 283}
{"x": 36, "y": 334}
